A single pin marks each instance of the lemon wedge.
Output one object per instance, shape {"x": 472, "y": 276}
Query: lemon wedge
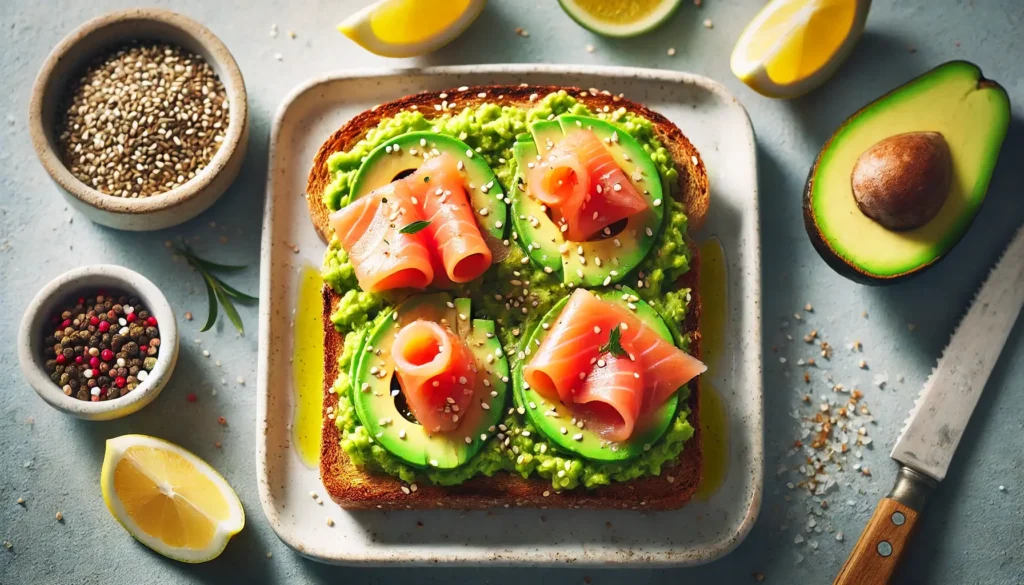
{"x": 618, "y": 18}
{"x": 169, "y": 499}
{"x": 407, "y": 28}
{"x": 793, "y": 46}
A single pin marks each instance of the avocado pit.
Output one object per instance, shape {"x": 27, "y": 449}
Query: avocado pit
{"x": 902, "y": 182}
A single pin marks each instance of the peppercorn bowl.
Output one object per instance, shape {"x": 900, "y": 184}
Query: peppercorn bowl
{"x": 83, "y": 333}
{"x": 136, "y": 137}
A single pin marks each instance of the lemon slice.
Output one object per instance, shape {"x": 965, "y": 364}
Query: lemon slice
{"x": 793, "y": 46}
{"x": 169, "y": 499}
{"x": 619, "y": 18}
{"x": 407, "y": 28}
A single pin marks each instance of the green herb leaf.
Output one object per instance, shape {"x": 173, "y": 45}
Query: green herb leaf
{"x": 229, "y": 310}
{"x": 234, "y": 292}
{"x": 211, "y": 295}
{"x": 415, "y": 227}
{"x": 614, "y": 345}
{"x": 188, "y": 253}
{"x": 217, "y": 291}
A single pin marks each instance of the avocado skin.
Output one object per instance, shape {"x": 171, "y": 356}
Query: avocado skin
{"x": 818, "y": 239}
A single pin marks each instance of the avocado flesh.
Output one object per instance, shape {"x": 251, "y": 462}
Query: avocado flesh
{"x": 376, "y": 407}
{"x": 973, "y": 116}
{"x": 385, "y": 164}
{"x": 650, "y": 427}
{"x": 603, "y": 260}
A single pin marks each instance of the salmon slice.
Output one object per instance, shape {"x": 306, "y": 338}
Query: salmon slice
{"x": 384, "y": 258}
{"x": 611, "y": 397}
{"x": 571, "y": 354}
{"x": 437, "y": 374}
{"x": 584, "y": 186}
{"x": 440, "y": 191}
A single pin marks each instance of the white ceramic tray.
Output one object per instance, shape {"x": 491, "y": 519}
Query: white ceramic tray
{"x": 702, "y": 531}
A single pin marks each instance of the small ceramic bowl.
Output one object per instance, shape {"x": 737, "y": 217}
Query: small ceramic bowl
{"x": 36, "y": 323}
{"x": 66, "y": 62}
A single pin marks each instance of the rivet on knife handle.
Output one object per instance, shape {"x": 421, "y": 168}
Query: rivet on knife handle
{"x": 881, "y": 546}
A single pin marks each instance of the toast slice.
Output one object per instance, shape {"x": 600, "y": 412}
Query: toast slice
{"x": 357, "y": 488}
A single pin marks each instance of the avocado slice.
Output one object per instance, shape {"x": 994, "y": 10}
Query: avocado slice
{"x": 378, "y": 398}
{"x": 972, "y": 115}
{"x": 556, "y": 421}
{"x": 607, "y": 258}
{"x": 400, "y": 156}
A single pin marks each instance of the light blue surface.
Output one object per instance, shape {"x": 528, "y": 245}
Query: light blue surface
{"x": 972, "y": 533}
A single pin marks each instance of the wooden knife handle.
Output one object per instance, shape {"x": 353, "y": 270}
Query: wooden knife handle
{"x": 884, "y": 541}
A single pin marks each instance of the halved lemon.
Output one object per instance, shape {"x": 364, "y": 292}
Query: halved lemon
{"x": 619, "y": 18}
{"x": 407, "y": 28}
{"x": 169, "y": 499}
{"x": 793, "y": 46}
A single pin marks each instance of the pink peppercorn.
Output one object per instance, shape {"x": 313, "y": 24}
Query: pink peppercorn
{"x": 120, "y": 381}
{"x": 94, "y": 320}
{"x": 61, "y": 359}
{"x": 130, "y": 317}
{"x": 79, "y": 359}
{"x": 106, "y": 355}
{"x": 66, "y": 324}
{"x": 143, "y": 348}
{"x": 94, "y": 362}
{"x": 104, "y": 326}
{"x": 151, "y": 321}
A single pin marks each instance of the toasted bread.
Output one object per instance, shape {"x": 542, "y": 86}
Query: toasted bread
{"x": 357, "y": 488}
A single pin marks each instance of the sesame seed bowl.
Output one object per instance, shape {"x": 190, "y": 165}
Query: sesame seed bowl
{"x": 43, "y": 315}
{"x": 141, "y": 118}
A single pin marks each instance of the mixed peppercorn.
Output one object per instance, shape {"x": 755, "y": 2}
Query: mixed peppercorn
{"x": 102, "y": 347}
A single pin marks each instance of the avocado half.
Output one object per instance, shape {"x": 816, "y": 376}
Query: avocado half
{"x": 973, "y": 116}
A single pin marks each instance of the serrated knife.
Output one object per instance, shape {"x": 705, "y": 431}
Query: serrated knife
{"x": 937, "y": 421}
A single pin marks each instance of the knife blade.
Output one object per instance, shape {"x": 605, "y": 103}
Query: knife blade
{"x": 938, "y": 418}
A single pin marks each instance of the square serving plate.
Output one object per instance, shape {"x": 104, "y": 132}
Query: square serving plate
{"x": 706, "y": 529}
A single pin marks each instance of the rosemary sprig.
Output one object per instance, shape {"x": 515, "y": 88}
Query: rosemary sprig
{"x": 217, "y": 291}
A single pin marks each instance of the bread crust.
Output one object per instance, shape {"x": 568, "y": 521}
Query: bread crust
{"x": 358, "y": 488}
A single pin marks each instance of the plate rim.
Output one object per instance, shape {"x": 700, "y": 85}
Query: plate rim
{"x": 709, "y": 552}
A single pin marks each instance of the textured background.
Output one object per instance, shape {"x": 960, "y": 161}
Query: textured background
{"x": 973, "y": 532}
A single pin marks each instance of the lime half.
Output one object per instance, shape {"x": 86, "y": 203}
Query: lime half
{"x": 619, "y": 18}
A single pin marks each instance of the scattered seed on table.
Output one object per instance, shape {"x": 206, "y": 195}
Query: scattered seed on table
{"x": 221, "y": 420}
{"x": 60, "y": 516}
{"x": 188, "y": 316}
{"x": 708, "y": 23}
{"x": 671, "y": 51}
{"x": 143, "y": 119}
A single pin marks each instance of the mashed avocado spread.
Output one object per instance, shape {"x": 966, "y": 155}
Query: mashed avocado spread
{"x": 491, "y": 131}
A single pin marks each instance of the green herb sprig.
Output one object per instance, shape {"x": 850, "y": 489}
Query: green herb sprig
{"x": 614, "y": 345}
{"x": 415, "y": 227}
{"x": 217, "y": 291}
